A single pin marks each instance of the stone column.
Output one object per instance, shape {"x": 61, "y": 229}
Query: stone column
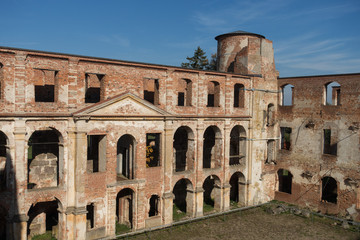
{"x": 168, "y": 156}
{"x": 79, "y": 218}
{"x": 20, "y": 227}
{"x": 226, "y": 196}
{"x": 218, "y": 196}
{"x": 190, "y": 202}
{"x": 80, "y": 222}
{"x": 199, "y": 201}
{"x": 167, "y": 216}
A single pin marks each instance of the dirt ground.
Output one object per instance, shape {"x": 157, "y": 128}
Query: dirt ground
{"x": 255, "y": 224}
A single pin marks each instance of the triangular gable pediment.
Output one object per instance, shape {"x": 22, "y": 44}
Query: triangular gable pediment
{"x": 126, "y": 104}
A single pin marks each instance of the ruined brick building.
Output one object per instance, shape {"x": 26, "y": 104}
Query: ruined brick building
{"x": 88, "y": 142}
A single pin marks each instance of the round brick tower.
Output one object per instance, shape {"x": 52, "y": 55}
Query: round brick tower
{"x": 244, "y": 53}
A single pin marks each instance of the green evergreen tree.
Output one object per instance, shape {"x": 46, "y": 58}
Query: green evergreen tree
{"x": 198, "y": 61}
{"x": 213, "y": 63}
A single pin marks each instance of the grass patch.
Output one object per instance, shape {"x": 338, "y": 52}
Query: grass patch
{"x": 121, "y": 228}
{"x": 177, "y": 213}
{"x": 234, "y": 204}
{"x": 207, "y": 208}
{"x": 45, "y": 236}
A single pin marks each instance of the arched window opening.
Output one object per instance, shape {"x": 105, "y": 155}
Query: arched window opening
{"x": 44, "y": 152}
{"x": 124, "y": 207}
{"x": 125, "y": 157}
{"x": 94, "y": 87}
{"x": 183, "y": 149}
{"x": 237, "y": 189}
{"x": 154, "y": 205}
{"x": 285, "y": 180}
{"x": 212, "y": 147}
{"x": 151, "y": 90}
{"x": 237, "y": 145}
{"x": 184, "y": 92}
{"x": 332, "y": 94}
{"x": 43, "y": 218}
{"x": 270, "y": 115}
{"x": 184, "y": 199}
{"x": 213, "y": 99}
{"x": 239, "y": 95}
{"x": 287, "y": 95}
{"x": 329, "y": 190}
{"x": 212, "y": 194}
{"x": 3, "y": 160}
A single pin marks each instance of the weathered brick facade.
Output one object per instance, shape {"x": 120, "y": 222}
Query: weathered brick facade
{"x": 88, "y": 142}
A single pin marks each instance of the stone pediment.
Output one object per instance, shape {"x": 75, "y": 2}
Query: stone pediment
{"x": 124, "y": 105}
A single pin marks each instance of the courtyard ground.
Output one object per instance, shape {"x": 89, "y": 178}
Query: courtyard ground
{"x": 256, "y": 223}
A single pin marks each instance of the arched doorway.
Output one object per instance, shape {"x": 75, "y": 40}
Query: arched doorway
{"x": 329, "y": 190}
{"x": 212, "y": 147}
{"x": 184, "y": 149}
{"x": 184, "y": 197}
{"x": 125, "y": 157}
{"x": 238, "y": 189}
{"x": 124, "y": 207}
{"x": 285, "y": 180}
{"x": 44, "y": 219}
{"x": 212, "y": 193}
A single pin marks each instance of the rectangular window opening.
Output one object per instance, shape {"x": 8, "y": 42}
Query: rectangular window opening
{"x": 329, "y": 146}
{"x": 181, "y": 99}
{"x": 152, "y": 149}
{"x": 285, "y": 138}
{"x": 90, "y": 216}
{"x": 93, "y": 87}
{"x": 96, "y": 153}
{"x": 45, "y": 93}
{"x": 151, "y": 91}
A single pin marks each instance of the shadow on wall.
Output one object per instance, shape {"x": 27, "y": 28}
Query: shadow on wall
{"x": 10, "y": 219}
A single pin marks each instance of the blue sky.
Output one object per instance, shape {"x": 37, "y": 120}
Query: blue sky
{"x": 310, "y": 37}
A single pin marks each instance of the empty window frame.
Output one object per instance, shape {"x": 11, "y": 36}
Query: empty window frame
{"x": 330, "y": 145}
{"x": 154, "y": 205}
{"x": 45, "y": 151}
{"x": 287, "y": 94}
{"x": 239, "y": 95}
{"x": 285, "y": 180}
{"x": 329, "y": 190}
{"x": 213, "y": 97}
{"x": 94, "y": 87}
{"x": 332, "y": 94}
{"x": 285, "y": 138}
{"x": 237, "y": 145}
{"x": 270, "y": 115}
{"x": 270, "y": 151}
{"x": 184, "y": 92}
{"x": 90, "y": 216}
{"x": 45, "y": 85}
{"x": 151, "y": 91}
{"x": 96, "y": 153}
{"x": 152, "y": 149}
